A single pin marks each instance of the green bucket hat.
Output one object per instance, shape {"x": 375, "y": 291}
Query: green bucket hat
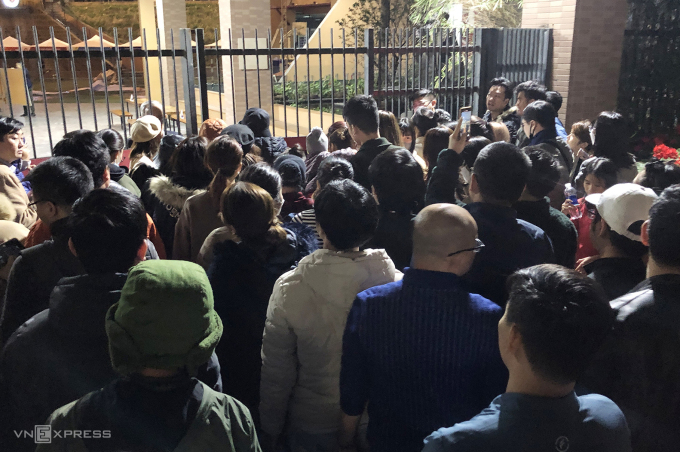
{"x": 165, "y": 319}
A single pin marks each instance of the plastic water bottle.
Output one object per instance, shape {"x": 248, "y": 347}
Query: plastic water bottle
{"x": 571, "y": 194}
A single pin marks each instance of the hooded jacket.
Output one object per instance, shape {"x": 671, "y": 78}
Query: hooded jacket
{"x": 62, "y": 353}
{"x": 164, "y": 199}
{"x": 302, "y": 343}
{"x": 119, "y": 175}
{"x": 242, "y": 278}
{"x": 257, "y": 120}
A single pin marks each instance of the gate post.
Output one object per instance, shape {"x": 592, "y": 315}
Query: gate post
{"x": 187, "y": 62}
{"x": 486, "y": 70}
{"x": 369, "y": 62}
{"x": 202, "y": 74}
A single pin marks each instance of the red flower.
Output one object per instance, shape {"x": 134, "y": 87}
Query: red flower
{"x": 662, "y": 151}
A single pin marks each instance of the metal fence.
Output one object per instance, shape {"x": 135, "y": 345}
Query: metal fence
{"x": 96, "y": 84}
{"x": 649, "y": 85}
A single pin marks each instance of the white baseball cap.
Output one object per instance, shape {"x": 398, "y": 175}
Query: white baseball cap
{"x": 622, "y": 205}
{"x": 145, "y": 129}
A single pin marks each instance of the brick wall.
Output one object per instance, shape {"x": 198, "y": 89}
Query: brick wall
{"x": 588, "y": 39}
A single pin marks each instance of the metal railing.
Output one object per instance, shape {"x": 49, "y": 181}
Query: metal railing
{"x": 301, "y": 87}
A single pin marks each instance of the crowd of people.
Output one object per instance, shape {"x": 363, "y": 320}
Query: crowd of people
{"x": 397, "y": 284}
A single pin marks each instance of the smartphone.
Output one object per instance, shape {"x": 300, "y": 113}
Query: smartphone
{"x": 465, "y": 116}
{"x": 9, "y": 248}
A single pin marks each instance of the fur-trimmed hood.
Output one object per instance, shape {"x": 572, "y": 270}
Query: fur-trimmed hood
{"x": 169, "y": 193}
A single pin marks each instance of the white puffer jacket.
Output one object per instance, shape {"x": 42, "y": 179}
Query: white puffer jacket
{"x": 302, "y": 344}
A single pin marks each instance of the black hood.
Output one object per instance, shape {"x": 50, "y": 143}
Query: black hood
{"x": 258, "y": 121}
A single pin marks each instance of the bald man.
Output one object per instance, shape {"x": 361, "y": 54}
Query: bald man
{"x": 422, "y": 352}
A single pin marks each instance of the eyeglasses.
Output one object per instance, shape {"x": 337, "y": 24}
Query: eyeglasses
{"x": 478, "y": 247}
{"x": 35, "y": 203}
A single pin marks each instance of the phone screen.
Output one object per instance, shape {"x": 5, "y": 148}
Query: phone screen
{"x": 466, "y": 116}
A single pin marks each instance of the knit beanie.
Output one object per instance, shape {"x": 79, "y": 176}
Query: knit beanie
{"x": 165, "y": 319}
{"x": 258, "y": 121}
{"x": 242, "y": 134}
{"x": 211, "y": 128}
{"x": 292, "y": 170}
{"x": 317, "y": 142}
{"x": 145, "y": 129}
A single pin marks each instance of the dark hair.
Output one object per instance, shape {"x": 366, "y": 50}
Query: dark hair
{"x": 472, "y": 149}
{"x": 436, "y": 140}
{"x": 398, "y": 181}
{"x": 480, "y": 128}
{"x": 664, "y": 228}
{"x": 423, "y": 92}
{"x": 250, "y": 159}
{"x": 188, "y": 165}
{"x": 659, "y": 175}
{"x": 544, "y": 174}
{"x": 581, "y": 130}
{"x": 562, "y": 316}
{"x": 114, "y": 141}
{"x": 631, "y": 248}
{"x": 341, "y": 139}
{"x": 362, "y": 112}
{"x": 532, "y": 90}
{"x": 263, "y": 175}
{"x": 542, "y": 112}
{"x": 505, "y": 83}
{"x": 61, "y": 180}
{"x": 335, "y": 126}
{"x": 424, "y": 119}
{"x": 166, "y": 149}
{"x": 389, "y": 127}
{"x": 297, "y": 150}
{"x": 443, "y": 116}
{"x": 611, "y": 139}
{"x": 292, "y": 170}
{"x": 107, "y": 230}
{"x": 87, "y": 147}
{"x": 603, "y": 169}
{"x": 223, "y": 157}
{"x": 252, "y": 212}
{"x": 555, "y": 99}
{"x": 332, "y": 169}
{"x": 502, "y": 171}
{"x": 347, "y": 213}
{"x": 405, "y": 127}
{"x": 9, "y": 125}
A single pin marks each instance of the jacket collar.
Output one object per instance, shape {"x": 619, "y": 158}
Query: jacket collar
{"x": 540, "y": 207}
{"x": 77, "y": 302}
{"x": 432, "y": 279}
{"x": 60, "y": 230}
{"x": 492, "y": 212}
{"x": 374, "y": 143}
{"x": 543, "y": 136}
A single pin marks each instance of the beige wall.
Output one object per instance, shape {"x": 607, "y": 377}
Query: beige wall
{"x": 588, "y": 39}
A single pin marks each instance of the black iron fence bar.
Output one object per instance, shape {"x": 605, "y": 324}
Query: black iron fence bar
{"x": 134, "y": 73}
{"x": 297, "y": 96}
{"x": 309, "y": 109}
{"x": 89, "y": 77}
{"x": 174, "y": 73}
{"x": 271, "y": 77}
{"x": 344, "y": 69}
{"x": 283, "y": 81}
{"x": 332, "y": 82}
{"x": 109, "y": 52}
{"x": 146, "y": 63}
{"x": 189, "y": 82}
{"x": 75, "y": 77}
{"x": 42, "y": 85}
{"x": 56, "y": 71}
{"x": 29, "y": 100}
{"x": 123, "y": 118}
{"x": 386, "y": 74}
{"x": 219, "y": 73}
{"x": 245, "y": 68}
{"x": 231, "y": 66}
{"x": 446, "y": 105}
{"x": 202, "y": 74}
{"x": 160, "y": 74}
{"x": 257, "y": 65}
{"x": 320, "y": 84}
{"x": 286, "y": 51}
{"x": 104, "y": 79}
{"x": 4, "y": 61}
{"x": 369, "y": 61}
{"x": 356, "y": 61}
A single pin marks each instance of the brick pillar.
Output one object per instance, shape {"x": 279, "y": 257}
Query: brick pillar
{"x": 249, "y": 15}
{"x": 588, "y": 41}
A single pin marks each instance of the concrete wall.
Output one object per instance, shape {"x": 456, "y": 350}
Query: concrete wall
{"x": 588, "y": 40}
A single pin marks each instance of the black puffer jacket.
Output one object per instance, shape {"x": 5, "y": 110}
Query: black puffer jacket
{"x": 242, "y": 278}
{"x": 638, "y": 366}
{"x": 271, "y": 147}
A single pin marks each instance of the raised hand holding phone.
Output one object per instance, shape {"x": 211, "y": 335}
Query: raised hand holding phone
{"x": 458, "y": 139}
